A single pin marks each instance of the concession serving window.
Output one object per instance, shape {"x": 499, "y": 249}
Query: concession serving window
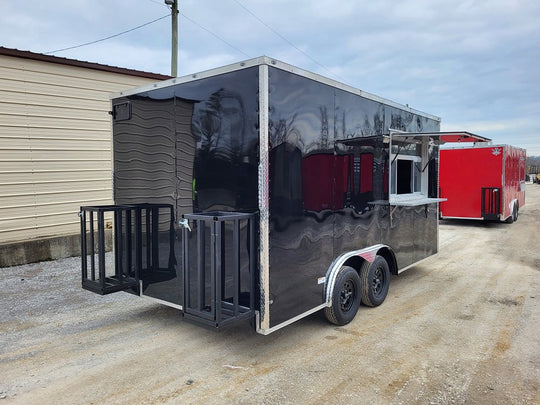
{"x": 412, "y": 159}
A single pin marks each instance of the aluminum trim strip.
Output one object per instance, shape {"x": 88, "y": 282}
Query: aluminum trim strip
{"x": 267, "y": 331}
{"x": 169, "y": 304}
{"x": 264, "y": 204}
{"x": 416, "y": 263}
{"x": 192, "y": 77}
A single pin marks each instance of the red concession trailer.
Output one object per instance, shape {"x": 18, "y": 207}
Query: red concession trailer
{"x": 482, "y": 182}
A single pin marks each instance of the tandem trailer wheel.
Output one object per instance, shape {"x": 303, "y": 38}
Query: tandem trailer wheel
{"x": 345, "y": 297}
{"x": 375, "y": 281}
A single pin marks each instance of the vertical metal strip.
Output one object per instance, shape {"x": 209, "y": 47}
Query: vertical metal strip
{"x": 236, "y": 264}
{"x": 111, "y": 151}
{"x": 149, "y": 264}
{"x": 201, "y": 263}
{"x": 155, "y": 238}
{"x": 118, "y": 254}
{"x": 129, "y": 244}
{"x": 424, "y": 175}
{"x": 438, "y": 189}
{"x": 101, "y": 248}
{"x": 138, "y": 244}
{"x": 264, "y": 204}
{"x": 92, "y": 248}
{"x": 185, "y": 262}
{"x": 172, "y": 257}
{"x": 217, "y": 268}
{"x": 252, "y": 266}
{"x": 223, "y": 258}
{"x": 83, "y": 246}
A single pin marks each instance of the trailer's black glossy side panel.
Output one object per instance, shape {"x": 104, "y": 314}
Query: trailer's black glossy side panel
{"x": 193, "y": 146}
{"x": 321, "y": 188}
{"x": 398, "y": 233}
{"x": 425, "y": 242}
{"x": 300, "y": 239}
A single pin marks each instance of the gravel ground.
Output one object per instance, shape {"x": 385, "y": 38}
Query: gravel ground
{"x": 462, "y": 327}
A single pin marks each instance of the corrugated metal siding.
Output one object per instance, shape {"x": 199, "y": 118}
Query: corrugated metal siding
{"x": 55, "y": 144}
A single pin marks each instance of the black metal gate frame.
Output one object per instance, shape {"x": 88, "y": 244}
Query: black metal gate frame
{"x": 221, "y": 312}
{"x": 128, "y": 253}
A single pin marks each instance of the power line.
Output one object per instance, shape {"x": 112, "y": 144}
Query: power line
{"x": 109, "y": 37}
{"x": 286, "y": 40}
{"x": 205, "y": 29}
{"x": 215, "y": 35}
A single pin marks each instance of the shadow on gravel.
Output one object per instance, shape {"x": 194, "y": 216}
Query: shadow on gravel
{"x": 474, "y": 223}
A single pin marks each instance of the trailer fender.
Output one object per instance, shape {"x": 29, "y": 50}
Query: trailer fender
{"x": 513, "y": 215}
{"x": 367, "y": 254}
{"x": 511, "y": 205}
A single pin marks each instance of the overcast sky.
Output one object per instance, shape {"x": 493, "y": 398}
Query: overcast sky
{"x": 474, "y": 63}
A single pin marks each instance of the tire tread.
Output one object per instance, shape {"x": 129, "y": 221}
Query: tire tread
{"x": 331, "y": 312}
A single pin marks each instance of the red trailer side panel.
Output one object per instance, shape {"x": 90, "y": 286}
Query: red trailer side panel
{"x": 514, "y": 179}
{"x": 463, "y": 173}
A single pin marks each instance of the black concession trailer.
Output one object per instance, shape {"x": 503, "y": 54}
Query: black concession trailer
{"x": 263, "y": 191}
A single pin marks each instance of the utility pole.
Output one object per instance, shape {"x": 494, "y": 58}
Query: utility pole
{"x": 174, "y": 36}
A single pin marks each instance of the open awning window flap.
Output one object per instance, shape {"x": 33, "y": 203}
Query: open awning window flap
{"x": 450, "y": 137}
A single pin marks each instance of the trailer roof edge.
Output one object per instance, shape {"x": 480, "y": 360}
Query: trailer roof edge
{"x": 192, "y": 77}
{"x": 265, "y": 60}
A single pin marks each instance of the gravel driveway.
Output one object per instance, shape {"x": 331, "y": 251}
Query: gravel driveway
{"x": 462, "y": 327}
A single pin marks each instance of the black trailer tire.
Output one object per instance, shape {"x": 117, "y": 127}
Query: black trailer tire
{"x": 345, "y": 297}
{"x": 375, "y": 279}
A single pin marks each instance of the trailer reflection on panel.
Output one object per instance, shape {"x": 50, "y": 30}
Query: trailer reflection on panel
{"x": 261, "y": 191}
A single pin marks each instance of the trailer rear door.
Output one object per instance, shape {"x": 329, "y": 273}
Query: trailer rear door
{"x": 471, "y": 181}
